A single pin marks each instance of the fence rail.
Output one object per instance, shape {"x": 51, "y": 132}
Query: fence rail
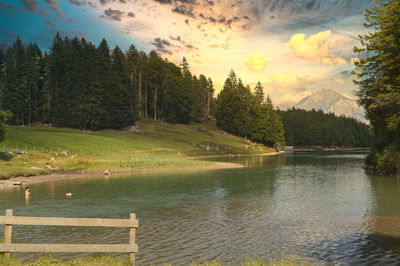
{"x": 9, "y": 220}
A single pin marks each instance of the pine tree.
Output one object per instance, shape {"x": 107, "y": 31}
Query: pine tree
{"x": 133, "y": 64}
{"x": 118, "y": 102}
{"x": 57, "y": 80}
{"x": 378, "y": 72}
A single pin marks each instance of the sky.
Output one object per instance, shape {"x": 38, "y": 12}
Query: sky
{"x": 293, "y": 47}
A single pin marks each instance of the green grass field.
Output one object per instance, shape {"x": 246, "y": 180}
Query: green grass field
{"x": 103, "y": 260}
{"x": 161, "y": 146}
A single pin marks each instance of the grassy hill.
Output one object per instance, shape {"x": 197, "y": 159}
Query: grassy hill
{"x": 153, "y": 145}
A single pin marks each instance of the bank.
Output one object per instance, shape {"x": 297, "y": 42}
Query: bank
{"x": 42, "y": 150}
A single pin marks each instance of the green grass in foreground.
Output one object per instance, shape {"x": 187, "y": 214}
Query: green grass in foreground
{"x": 161, "y": 146}
{"x": 102, "y": 260}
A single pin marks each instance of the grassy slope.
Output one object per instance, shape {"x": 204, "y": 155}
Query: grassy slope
{"x": 161, "y": 146}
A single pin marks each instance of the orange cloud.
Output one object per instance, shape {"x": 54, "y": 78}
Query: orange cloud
{"x": 314, "y": 48}
{"x": 333, "y": 61}
{"x": 256, "y": 62}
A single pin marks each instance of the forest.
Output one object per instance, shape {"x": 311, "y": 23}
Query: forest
{"x": 315, "y": 128}
{"x": 79, "y": 85}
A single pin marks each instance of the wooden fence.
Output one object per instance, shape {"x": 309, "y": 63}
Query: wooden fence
{"x": 9, "y": 220}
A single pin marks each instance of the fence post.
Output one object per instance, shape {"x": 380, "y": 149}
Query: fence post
{"x": 8, "y": 231}
{"x": 132, "y": 238}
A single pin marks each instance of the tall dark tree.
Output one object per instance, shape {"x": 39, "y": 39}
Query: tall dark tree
{"x": 58, "y": 95}
{"x": 133, "y": 64}
{"x": 378, "y": 72}
{"x": 234, "y": 103}
{"x": 118, "y": 103}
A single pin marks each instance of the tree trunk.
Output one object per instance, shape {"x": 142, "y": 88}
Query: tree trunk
{"x": 208, "y": 104}
{"x": 155, "y": 103}
{"x": 140, "y": 94}
{"x": 29, "y": 107}
{"x": 145, "y": 97}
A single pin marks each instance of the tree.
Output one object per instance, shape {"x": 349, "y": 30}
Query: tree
{"x": 378, "y": 73}
{"x": 232, "y": 107}
{"x": 118, "y": 102}
{"x": 3, "y": 118}
{"x": 132, "y": 58}
{"x": 57, "y": 81}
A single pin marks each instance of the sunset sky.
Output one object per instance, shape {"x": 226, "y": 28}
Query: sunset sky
{"x": 292, "y": 47}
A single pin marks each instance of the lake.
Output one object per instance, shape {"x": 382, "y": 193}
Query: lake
{"x": 316, "y": 206}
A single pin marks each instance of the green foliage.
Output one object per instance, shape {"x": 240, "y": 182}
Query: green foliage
{"x": 314, "y": 128}
{"x": 388, "y": 161}
{"x": 378, "y": 73}
{"x": 3, "y": 118}
{"x": 245, "y": 114}
{"x": 82, "y": 86}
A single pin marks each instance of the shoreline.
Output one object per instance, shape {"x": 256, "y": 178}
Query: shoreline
{"x": 330, "y": 149}
{"x": 235, "y": 155}
{"x": 20, "y": 181}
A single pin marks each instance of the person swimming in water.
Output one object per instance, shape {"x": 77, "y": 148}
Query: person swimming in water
{"x": 27, "y": 192}
{"x": 68, "y": 194}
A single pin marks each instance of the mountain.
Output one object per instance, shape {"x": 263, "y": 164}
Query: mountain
{"x": 330, "y": 101}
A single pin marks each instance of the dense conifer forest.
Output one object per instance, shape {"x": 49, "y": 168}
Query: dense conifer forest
{"x": 315, "y": 128}
{"x": 79, "y": 85}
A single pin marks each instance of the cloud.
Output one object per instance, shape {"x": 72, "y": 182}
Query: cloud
{"x": 49, "y": 23}
{"x": 256, "y": 62}
{"x": 333, "y": 61}
{"x": 30, "y": 5}
{"x": 78, "y": 3}
{"x": 5, "y": 5}
{"x": 161, "y": 45}
{"x": 345, "y": 73}
{"x": 51, "y": 2}
{"x": 184, "y": 10}
{"x": 186, "y": 44}
{"x": 312, "y": 47}
{"x": 315, "y": 47}
{"x": 284, "y": 81}
{"x": 59, "y": 12}
{"x": 103, "y": 2}
{"x": 113, "y": 14}
{"x": 164, "y": 1}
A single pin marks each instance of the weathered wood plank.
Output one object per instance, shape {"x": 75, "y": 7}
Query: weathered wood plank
{"x": 61, "y": 221}
{"x": 132, "y": 238}
{"x": 8, "y": 231}
{"x": 103, "y": 248}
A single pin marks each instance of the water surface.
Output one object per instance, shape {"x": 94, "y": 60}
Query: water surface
{"x": 315, "y": 206}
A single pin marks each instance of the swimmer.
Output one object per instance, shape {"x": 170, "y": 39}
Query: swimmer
{"x": 27, "y": 192}
{"x": 68, "y": 194}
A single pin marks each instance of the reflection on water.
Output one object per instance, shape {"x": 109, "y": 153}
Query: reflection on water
{"x": 315, "y": 206}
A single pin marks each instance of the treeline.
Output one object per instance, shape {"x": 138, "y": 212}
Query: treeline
{"x": 315, "y": 128}
{"x": 249, "y": 114}
{"x": 79, "y": 85}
